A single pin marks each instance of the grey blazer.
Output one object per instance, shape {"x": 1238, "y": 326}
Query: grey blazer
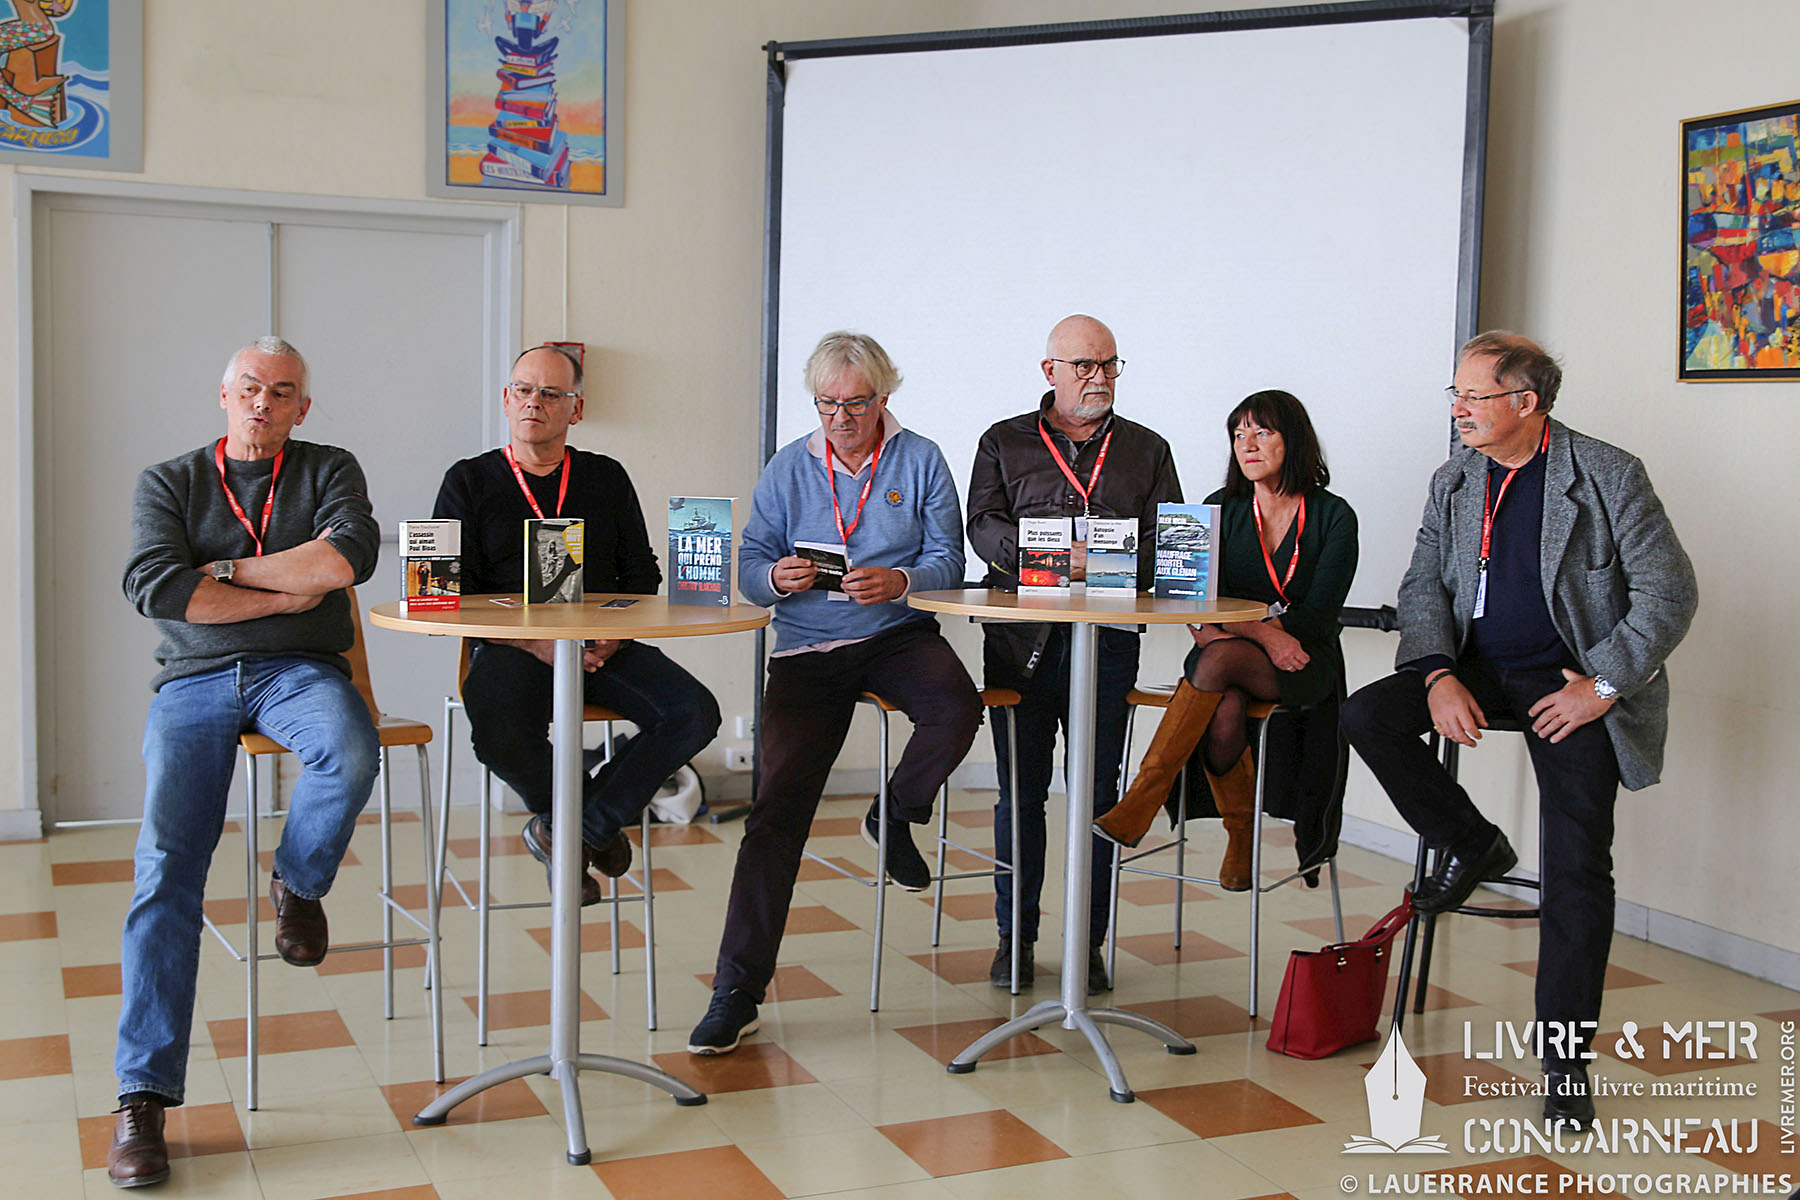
{"x": 1619, "y": 587}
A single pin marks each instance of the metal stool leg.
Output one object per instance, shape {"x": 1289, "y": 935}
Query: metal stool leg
{"x": 250, "y": 928}
{"x": 943, "y": 833}
{"x": 1256, "y": 848}
{"x": 649, "y": 924}
{"x": 881, "y": 840}
{"x": 484, "y": 907}
{"x": 434, "y": 962}
{"x": 387, "y": 884}
{"x": 1012, "y": 750}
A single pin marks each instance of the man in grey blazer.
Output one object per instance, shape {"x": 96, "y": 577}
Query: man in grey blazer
{"x": 1546, "y": 584}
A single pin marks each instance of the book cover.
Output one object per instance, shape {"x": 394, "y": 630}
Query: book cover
{"x": 1186, "y": 567}
{"x": 553, "y": 557}
{"x": 833, "y": 562}
{"x": 1044, "y": 544}
{"x": 1112, "y": 556}
{"x": 699, "y": 550}
{"x": 430, "y": 565}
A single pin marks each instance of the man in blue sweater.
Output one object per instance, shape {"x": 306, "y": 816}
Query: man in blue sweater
{"x": 882, "y": 498}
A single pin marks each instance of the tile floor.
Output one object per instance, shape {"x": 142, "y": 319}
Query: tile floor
{"x": 830, "y": 1099}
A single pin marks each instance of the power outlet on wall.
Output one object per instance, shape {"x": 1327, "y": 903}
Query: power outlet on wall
{"x": 746, "y": 728}
{"x": 737, "y": 758}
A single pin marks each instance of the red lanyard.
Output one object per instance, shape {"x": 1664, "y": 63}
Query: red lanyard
{"x": 1293, "y": 560}
{"x": 256, "y": 535}
{"x": 562, "y": 489}
{"x": 831, "y": 486}
{"x": 1489, "y": 509}
{"x": 1075, "y": 483}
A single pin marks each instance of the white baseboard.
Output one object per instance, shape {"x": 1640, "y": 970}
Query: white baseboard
{"x": 21, "y": 825}
{"x": 1731, "y": 950}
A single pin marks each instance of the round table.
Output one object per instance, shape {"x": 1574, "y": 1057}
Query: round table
{"x": 568, "y": 625}
{"x": 1083, "y": 613}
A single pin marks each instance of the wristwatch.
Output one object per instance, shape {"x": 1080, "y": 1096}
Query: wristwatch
{"x": 1605, "y": 690}
{"x": 225, "y": 568}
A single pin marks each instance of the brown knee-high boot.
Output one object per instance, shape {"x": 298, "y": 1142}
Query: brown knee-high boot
{"x": 1186, "y": 718}
{"x": 1234, "y": 793}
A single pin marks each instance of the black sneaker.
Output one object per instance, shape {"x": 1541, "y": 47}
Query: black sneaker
{"x": 729, "y": 1019}
{"x": 1000, "y": 973}
{"x": 1098, "y": 981}
{"x": 905, "y": 866}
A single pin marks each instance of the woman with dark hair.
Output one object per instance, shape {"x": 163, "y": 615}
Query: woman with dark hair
{"x": 1287, "y": 542}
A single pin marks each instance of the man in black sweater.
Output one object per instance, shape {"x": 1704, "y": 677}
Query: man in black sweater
{"x": 507, "y": 691}
{"x": 240, "y": 552}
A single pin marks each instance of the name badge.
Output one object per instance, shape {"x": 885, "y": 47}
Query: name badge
{"x": 1481, "y": 594}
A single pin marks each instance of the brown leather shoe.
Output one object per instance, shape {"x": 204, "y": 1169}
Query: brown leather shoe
{"x": 612, "y": 859}
{"x": 537, "y": 840}
{"x": 139, "y": 1157}
{"x": 301, "y": 935}
{"x": 1234, "y": 793}
{"x": 1186, "y": 718}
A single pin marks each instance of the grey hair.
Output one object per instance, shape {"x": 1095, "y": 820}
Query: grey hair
{"x": 279, "y": 347}
{"x": 843, "y": 350}
{"x": 1519, "y": 362}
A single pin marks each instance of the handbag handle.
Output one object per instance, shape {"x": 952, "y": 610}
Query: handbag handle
{"x": 1385, "y": 928}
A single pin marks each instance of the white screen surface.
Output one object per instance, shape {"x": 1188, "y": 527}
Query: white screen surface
{"x": 1246, "y": 210}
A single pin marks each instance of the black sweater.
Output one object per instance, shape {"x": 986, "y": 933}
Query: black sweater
{"x": 482, "y": 493}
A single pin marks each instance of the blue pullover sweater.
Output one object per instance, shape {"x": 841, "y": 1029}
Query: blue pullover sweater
{"x": 913, "y": 521}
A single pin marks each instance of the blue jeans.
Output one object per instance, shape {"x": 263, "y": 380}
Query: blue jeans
{"x": 1043, "y": 709}
{"x": 190, "y": 751}
{"x": 508, "y": 695}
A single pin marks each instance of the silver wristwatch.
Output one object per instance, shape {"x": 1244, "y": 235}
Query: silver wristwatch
{"x": 1605, "y": 690}
{"x": 225, "y": 568}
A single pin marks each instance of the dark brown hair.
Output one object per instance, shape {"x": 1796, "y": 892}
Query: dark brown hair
{"x": 1304, "y": 465}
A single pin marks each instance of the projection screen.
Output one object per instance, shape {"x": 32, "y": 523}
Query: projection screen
{"x": 1281, "y": 198}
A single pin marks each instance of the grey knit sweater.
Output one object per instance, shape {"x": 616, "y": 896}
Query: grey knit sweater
{"x": 181, "y": 520}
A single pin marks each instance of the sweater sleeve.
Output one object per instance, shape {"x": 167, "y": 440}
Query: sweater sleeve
{"x": 940, "y": 561}
{"x": 765, "y": 539}
{"x": 345, "y": 510}
{"x": 161, "y": 571}
{"x": 635, "y": 561}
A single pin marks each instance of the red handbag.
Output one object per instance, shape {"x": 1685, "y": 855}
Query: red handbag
{"x": 1332, "y": 998}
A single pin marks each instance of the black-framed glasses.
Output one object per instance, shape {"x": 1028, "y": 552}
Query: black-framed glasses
{"x": 856, "y": 406}
{"x": 527, "y": 392}
{"x": 1453, "y": 395}
{"x": 1085, "y": 367}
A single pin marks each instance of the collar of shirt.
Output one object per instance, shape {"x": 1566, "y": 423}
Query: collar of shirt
{"x": 815, "y": 445}
{"x": 1044, "y": 407}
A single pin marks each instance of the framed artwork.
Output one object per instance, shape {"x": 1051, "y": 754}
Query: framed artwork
{"x": 72, "y": 83}
{"x": 526, "y": 100}
{"x": 1740, "y": 245}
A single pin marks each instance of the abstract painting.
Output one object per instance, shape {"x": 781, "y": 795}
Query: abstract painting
{"x": 1740, "y": 245}
{"x": 525, "y": 100}
{"x": 70, "y": 83}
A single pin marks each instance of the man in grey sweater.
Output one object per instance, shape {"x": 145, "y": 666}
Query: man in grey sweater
{"x": 241, "y": 551}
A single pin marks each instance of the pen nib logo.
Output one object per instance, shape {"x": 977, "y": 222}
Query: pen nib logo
{"x": 1396, "y": 1089}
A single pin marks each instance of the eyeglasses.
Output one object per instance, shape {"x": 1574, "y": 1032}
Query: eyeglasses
{"x": 1470, "y": 398}
{"x": 856, "y": 406}
{"x": 527, "y": 392}
{"x": 1085, "y": 367}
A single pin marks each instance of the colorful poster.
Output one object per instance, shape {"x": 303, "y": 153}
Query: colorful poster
{"x": 69, "y": 83}
{"x": 527, "y": 90}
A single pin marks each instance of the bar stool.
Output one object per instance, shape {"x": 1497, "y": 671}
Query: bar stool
{"x": 1449, "y": 753}
{"x": 1261, "y": 713}
{"x": 482, "y": 904}
{"x": 995, "y": 700}
{"x": 391, "y": 732}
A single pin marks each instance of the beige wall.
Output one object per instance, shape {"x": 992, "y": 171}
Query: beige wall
{"x": 1580, "y": 251}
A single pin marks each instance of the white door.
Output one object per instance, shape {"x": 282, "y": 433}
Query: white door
{"x": 137, "y": 305}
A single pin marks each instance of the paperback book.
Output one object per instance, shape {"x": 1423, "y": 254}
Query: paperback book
{"x": 1112, "y": 560}
{"x": 699, "y": 550}
{"x": 430, "y": 565}
{"x": 833, "y": 562}
{"x": 553, "y": 557}
{"x": 1186, "y": 565}
{"x": 1044, "y": 550}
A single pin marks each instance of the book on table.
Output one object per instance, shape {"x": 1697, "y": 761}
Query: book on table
{"x": 699, "y": 550}
{"x": 1187, "y": 551}
{"x": 430, "y": 566}
{"x": 553, "y": 558}
{"x": 1045, "y": 548}
{"x": 1112, "y": 556}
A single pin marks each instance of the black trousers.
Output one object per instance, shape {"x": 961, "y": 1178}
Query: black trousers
{"x": 1578, "y": 783}
{"x": 1043, "y": 709}
{"x": 508, "y": 698}
{"x": 807, "y": 708}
